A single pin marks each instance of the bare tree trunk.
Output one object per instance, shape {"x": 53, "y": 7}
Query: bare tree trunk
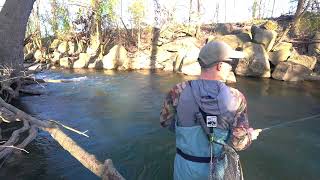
{"x": 13, "y": 19}
{"x": 225, "y": 11}
{"x": 198, "y": 28}
{"x": 217, "y": 11}
{"x": 190, "y": 11}
{"x": 54, "y": 20}
{"x": 297, "y": 16}
{"x": 260, "y": 9}
{"x": 274, "y": 2}
{"x": 96, "y": 31}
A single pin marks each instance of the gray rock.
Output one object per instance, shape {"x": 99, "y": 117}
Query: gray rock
{"x": 65, "y": 62}
{"x": 289, "y": 71}
{"x": 115, "y": 58}
{"x": 224, "y": 28}
{"x": 28, "y": 56}
{"x": 235, "y": 41}
{"x": 279, "y": 56}
{"x": 82, "y": 62}
{"x": 38, "y": 55}
{"x": 97, "y": 64}
{"x": 307, "y": 61}
{"x": 255, "y": 63}
{"x": 263, "y": 36}
{"x": 56, "y": 57}
{"x": 63, "y": 47}
{"x": 193, "y": 69}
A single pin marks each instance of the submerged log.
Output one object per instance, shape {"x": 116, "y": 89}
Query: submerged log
{"x": 104, "y": 170}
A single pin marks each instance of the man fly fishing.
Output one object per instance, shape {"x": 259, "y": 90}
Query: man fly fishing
{"x": 209, "y": 119}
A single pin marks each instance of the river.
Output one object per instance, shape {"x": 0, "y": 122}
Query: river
{"x": 120, "y": 110}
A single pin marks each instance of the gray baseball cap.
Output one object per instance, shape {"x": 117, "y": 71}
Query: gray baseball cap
{"x": 217, "y": 51}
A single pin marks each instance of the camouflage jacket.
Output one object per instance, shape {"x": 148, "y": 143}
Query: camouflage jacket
{"x": 240, "y": 137}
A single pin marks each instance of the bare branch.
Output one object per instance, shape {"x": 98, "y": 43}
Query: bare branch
{"x": 13, "y": 147}
{"x": 71, "y": 129}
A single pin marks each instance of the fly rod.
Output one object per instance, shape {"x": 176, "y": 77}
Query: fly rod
{"x": 290, "y": 122}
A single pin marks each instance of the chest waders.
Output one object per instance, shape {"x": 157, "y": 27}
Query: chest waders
{"x": 227, "y": 164}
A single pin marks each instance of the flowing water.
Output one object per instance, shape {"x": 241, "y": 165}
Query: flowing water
{"x": 121, "y": 112}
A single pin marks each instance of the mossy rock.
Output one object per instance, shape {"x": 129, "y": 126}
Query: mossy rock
{"x": 270, "y": 25}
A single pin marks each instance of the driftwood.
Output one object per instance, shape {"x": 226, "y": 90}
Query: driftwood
{"x": 104, "y": 170}
{"x": 307, "y": 41}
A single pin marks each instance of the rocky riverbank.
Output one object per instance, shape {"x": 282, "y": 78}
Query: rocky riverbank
{"x": 176, "y": 49}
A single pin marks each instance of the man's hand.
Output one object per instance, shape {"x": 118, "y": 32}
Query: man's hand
{"x": 254, "y": 133}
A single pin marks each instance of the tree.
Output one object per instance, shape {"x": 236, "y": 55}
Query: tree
{"x": 301, "y": 9}
{"x": 13, "y": 19}
{"x": 96, "y": 27}
{"x": 54, "y": 20}
{"x": 137, "y": 11}
{"x": 254, "y": 9}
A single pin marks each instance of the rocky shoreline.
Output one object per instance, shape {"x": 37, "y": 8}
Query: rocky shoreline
{"x": 176, "y": 50}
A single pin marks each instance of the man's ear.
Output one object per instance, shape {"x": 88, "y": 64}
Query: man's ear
{"x": 219, "y": 66}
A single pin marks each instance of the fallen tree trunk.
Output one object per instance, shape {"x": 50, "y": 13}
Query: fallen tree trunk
{"x": 106, "y": 171}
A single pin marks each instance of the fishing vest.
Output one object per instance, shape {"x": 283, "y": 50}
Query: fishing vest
{"x": 192, "y": 145}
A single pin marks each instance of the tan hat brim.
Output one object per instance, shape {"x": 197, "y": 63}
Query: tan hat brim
{"x": 236, "y": 55}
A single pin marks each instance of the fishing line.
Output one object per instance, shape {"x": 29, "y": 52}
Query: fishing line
{"x": 290, "y": 122}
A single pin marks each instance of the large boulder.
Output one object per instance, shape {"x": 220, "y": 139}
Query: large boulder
{"x": 161, "y": 55}
{"x": 270, "y": 25}
{"x": 307, "y": 61}
{"x": 281, "y": 52}
{"x": 289, "y": 71}
{"x": 63, "y": 47}
{"x": 235, "y": 41}
{"x": 65, "y": 62}
{"x": 38, "y": 55}
{"x": 279, "y": 56}
{"x": 181, "y": 43}
{"x": 115, "y": 58}
{"x": 231, "y": 78}
{"x": 255, "y": 63}
{"x": 56, "y": 57}
{"x": 28, "y": 56}
{"x": 186, "y": 57}
{"x": 283, "y": 46}
{"x": 83, "y": 61}
{"x": 314, "y": 48}
{"x": 97, "y": 64}
{"x": 143, "y": 61}
{"x": 224, "y": 28}
{"x": 191, "y": 69}
{"x": 264, "y": 36}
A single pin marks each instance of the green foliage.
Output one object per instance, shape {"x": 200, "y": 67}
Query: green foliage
{"x": 107, "y": 8}
{"x": 309, "y": 23}
{"x": 63, "y": 18}
{"x": 254, "y": 9}
{"x": 137, "y": 10}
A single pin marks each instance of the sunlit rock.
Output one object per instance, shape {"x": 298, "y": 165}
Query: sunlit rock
{"x": 289, "y": 71}
{"x": 115, "y": 57}
{"x": 82, "y": 62}
{"x": 63, "y": 47}
{"x": 256, "y": 61}
{"x": 307, "y": 61}
{"x": 264, "y": 36}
